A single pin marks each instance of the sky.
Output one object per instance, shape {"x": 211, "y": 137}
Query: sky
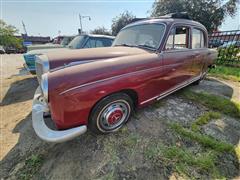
{"x": 48, "y": 17}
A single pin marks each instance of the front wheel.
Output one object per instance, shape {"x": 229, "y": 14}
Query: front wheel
{"x": 110, "y": 113}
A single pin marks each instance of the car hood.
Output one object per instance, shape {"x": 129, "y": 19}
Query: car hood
{"x": 66, "y": 56}
{"x": 44, "y": 46}
{"x": 44, "y": 51}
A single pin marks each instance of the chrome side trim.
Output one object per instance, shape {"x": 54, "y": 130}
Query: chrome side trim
{"x": 44, "y": 86}
{"x": 78, "y": 62}
{"x": 106, "y": 79}
{"x": 174, "y": 89}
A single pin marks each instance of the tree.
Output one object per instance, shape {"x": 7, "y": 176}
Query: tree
{"x": 7, "y": 37}
{"x": 210, "y": 13}
{"x": 120, "y": 21}
{"x": 101, "y": 30}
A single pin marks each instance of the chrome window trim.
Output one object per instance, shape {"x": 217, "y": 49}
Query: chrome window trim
{"x": 160, "y": 42}
{"x": 44, "y": 86}
{"x": 174, "y": 24}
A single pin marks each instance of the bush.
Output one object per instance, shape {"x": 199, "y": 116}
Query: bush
{"x": 229, "y": 55}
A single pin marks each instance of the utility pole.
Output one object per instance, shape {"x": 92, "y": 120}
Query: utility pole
{"x": 24, "y": 28}
{"x": 80, "y": 21}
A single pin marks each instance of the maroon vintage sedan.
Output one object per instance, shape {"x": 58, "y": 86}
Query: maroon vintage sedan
{"x": 101, "y": 87}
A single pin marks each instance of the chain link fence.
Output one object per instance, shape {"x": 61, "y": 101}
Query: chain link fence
{"x": 228, "y": 45}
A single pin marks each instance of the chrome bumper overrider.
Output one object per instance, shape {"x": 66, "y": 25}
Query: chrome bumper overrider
{"x": 42, "y": 130}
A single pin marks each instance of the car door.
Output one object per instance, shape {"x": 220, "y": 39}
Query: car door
{"x": 200, "y": 50}
{"x": 177, "y": 57}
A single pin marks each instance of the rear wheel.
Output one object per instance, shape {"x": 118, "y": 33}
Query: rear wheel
{"x": 111, "y": 113}
{"x": 197, "y": 82}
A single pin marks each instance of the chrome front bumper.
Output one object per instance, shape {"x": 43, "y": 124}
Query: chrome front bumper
{"x": 42, "y": 130}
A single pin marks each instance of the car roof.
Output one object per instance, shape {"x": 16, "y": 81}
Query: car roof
{"x": 165, "y": 20}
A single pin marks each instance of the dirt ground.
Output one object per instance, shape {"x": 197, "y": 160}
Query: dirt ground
{"x": 115, "y": 156}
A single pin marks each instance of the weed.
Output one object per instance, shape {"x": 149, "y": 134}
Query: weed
{"x": 215, "y": 103}
{"x": 237, "y": 151}
{"x": 31, "y": 167}
{"x": 204, "y": 119}
{"x": 181, "y": 159}
{"x": 158, "y": 104}
{"x": 131, "y": 140}
{"x": 111, "y": 151}
{"x": 205, "y": 140}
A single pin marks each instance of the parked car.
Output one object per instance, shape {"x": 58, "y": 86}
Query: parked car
{"x": 149, "y": 60}
{"x": 215, "y": 43}
{"x": 64, "y": 42}
{"x": 79, "y": 42}
{"x": 10, "y": 50}
{"x": 231, "y": 43}
{"x": 2, "y": 51}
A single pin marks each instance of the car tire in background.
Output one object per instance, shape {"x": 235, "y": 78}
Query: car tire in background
{"x": 110, "y": 113}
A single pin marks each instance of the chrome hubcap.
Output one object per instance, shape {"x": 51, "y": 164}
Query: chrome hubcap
{"x": 114, "y": 115}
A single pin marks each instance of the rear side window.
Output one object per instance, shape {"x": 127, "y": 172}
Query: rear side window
{"x": 178, "y": 39}
{"x": 197, "y": 39}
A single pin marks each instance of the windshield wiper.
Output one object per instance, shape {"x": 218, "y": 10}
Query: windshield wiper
{"x": 127, "y": 45}
{"x": 146, "y": 46}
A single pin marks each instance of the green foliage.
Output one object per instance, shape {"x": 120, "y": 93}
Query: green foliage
{"x": 120, "y": 21}
{"x": 209, "y": 13}
{"x": 7, "y": 35}
{"x": 31, "y": 167}
{"x": 216, "y": 103}
{"x": 228, "y": 55}
{"x": 203, "y": 139}
{"x": 182, "y": 159}
{"x": 226, "y": 72}
{"x": 204, "y": 119}
{"x": 101, "y": 30}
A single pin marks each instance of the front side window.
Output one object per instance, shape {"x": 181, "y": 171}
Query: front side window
{"x": 197, "y": 39}
{"x": 178, "y": 39}
{"x": 77, "y": 42}
{"x": 144, "y": 35}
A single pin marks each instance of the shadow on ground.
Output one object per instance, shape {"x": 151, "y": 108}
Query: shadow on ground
{"x": 19, "y": 91}
{"x": 94, "y": 156}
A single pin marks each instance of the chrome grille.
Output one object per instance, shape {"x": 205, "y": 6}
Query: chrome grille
{"x": 42, "y": 66}
{"x": 39, "y": 71}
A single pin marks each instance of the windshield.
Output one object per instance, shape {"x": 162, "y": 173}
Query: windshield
{"x": 144, "y": 35}
{"x": 77, "y": 42}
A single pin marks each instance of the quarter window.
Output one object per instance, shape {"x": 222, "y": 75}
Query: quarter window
{"x": 197, "y": 39}
{"x": 178, "y": 39}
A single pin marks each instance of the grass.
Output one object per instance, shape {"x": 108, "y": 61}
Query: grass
{"x": 215, "y": 103}
{"x": 158, "y": 104}
{"x": 237, "y": 151}
{"x": 182, "y": 159}
{"x": 204, "y": 119}
{"x": 226, "y": 72}
{"x": 31, "y": 167}
{"x": 204, "y": 140}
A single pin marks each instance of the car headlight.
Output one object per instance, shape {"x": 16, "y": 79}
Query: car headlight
{"x": 45, "y": 63}
{"x": 44, "y": 86}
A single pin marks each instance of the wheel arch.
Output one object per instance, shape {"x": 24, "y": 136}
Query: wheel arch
{"x": 130, "y": 92}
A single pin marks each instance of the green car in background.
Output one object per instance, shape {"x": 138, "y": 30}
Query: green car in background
{"x": 79, "y": 42}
